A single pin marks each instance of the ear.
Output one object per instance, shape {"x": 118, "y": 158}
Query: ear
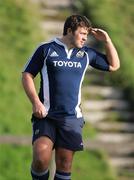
{"x": 69, "y": 31}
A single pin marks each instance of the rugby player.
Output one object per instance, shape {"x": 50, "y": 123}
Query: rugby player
{"x": 57, "y": 118}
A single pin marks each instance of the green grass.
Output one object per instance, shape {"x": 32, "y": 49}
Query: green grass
{"x": 89, "y": 132}
{"x": 15, "y": 162}
{"x": 92, "y": 165}
{"x": 19, "y": 36}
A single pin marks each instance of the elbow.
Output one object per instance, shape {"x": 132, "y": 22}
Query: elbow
{"x": 114, "y": 68}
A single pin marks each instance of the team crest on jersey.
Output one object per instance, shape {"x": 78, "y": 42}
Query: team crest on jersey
{"x": 80, "y": 54}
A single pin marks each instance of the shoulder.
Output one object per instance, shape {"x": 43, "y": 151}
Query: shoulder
{"x": 88, "y": 49}
{"x": 45, "y": 44}
{"x": 90, "y": 52}
{"x": 44, "y": 47}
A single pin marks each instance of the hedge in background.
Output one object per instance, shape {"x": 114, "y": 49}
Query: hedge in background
{"x": 19, "y": 34}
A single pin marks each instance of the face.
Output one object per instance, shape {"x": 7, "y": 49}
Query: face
{"x": 79, "y": 37}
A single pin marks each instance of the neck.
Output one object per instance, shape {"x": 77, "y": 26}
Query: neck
{"x": 67, "y": 42}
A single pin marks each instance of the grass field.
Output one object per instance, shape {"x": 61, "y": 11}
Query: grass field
{"x": 15, "y": 162}
{"x": 19, "y": 37}
{"x": 92, "y": 165}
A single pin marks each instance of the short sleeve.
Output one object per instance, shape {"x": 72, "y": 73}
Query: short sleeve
{"x": 36, "y": 62}
{"x": 98, "y": 60}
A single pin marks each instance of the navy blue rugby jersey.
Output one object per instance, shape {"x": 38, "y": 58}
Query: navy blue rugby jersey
{"x": 62, "y": 72}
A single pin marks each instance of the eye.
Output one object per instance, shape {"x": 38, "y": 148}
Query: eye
{"x": 85, "y": 34}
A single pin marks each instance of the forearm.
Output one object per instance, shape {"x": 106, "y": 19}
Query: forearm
{"x": 29, "y": 87}
{"x": 112, "y": 55}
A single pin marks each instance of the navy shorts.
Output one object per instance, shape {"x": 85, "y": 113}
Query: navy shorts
{"x": 65, "y": 133}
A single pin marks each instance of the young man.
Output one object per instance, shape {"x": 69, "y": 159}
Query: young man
{"x": 57, "y": 118}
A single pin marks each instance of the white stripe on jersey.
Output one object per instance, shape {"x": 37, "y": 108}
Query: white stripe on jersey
{"x": 77, "y": 108}
{"x": 45, "y": 84}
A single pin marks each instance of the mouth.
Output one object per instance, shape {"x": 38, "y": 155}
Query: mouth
{"x": 82, "y": 43}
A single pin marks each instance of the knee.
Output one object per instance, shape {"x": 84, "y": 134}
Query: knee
{"x": 63, "y": 164}
{"x": 40, "y": 158}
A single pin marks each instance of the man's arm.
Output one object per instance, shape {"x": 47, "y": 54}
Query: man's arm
{"x": 111, "y": 53}
{"x": 29, "y": 87}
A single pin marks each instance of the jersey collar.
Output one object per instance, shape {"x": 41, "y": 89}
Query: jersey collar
{"x": 68, "y": 52}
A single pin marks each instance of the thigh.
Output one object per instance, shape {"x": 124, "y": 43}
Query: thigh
{"x": 69, "y": 134}
{"x": 43, "y": 142}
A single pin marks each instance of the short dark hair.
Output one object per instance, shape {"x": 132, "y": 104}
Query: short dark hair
{"x": 75, "y": 21}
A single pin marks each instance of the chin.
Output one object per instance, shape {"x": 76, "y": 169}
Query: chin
{"x": 79, "y": 46}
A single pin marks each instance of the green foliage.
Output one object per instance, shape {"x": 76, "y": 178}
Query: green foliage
{"x": 18, "y": 36}
{"x": 14, "y": 162}
{"x": 91, "y": 165}
{"x": 117, "y": 18}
